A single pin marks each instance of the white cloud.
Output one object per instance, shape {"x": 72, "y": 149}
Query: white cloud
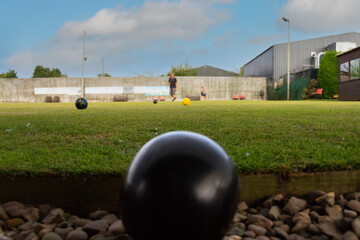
{"x": 322, "y": 15}
{"x": 120, "y": 33}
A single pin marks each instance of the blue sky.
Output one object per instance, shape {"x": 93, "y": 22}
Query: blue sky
{"x": 148, "y": 37}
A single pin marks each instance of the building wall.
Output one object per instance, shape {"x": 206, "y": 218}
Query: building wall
{"x": 262, "y": 66}
{"x": 135, "y": 88}
{"x": 349, "y": 90}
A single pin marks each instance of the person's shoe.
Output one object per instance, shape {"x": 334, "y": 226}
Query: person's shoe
{"x": 174, "y": 99}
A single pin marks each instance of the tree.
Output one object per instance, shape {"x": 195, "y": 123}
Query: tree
{"x": 9, "y": 74}
{"x": 44, "y": 72}
{"x": 241, "y": 73}
{"x": 105, "y": 75}
{"x": 328, "y": 74}
{"x": 183, "y": 70}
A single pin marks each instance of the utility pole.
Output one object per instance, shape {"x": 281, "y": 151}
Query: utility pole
{"x": 102, "y": 64}
{"x": 288, "y": 58}
{"x": 83, "y": 66}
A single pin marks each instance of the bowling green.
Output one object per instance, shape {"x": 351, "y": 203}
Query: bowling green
{"x": 260, "y": 136}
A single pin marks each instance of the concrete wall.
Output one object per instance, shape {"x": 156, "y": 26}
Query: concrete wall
{"x": 135, "y": 88}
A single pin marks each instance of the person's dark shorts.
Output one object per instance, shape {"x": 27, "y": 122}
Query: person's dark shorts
{"x": 172, "y": 91}
{"x": 203, "y": 94}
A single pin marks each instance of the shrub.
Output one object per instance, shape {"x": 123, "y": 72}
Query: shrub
{"x": 183, "y": 70}
{"x": 45, "y": 72}
{"x": 311, "y": 88}
{"x": 9, "y": 74}
{"x": 328, "y": 74}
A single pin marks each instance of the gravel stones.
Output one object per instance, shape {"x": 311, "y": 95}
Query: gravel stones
{"x": 14, "y": 222}
{"x": 274, "y": 212}
{"x": 81, "y": 222}
{"x": 110, "y": 218}
{"x": 349, "y": 236}
{"x": 95, "y": 227}
{"x": 320, "y": 216}
{"x": 302, "y": 216}
{"x": 3, "y": 214}
{"x": 353, "y": 196}
{"x": 242, "y": 207}
{"x": 300, "y": 227}
{"x": 117, "y": 228}
{"x": 354, "y": 205}
{"x": 257, "y": 230}
{"x": 295, "y": 205}
{"x": 97, "y": 215}
{"x": 313, "y": 195}
{"x": 55, "y": 216}
{"x": 281, "y": 233}
{"x": 77, "y": 235}
{"x": 235, "y": 231}
{"x": 330, "y": 229}
{"x": 328, "y": 198}
{"x": 31, "y": 214}
{"x": 356, "y": 226}
{"x": 334, "y": 212}
{"x": 14, "y": 209}
{"x": 30, "y": 223}
{"x": 44, "y": 210}
{"x": 51, "y": 236}
{"x": 260, "y": 220}
{"x": 63, "y": 232}
{"x": 276, "y": 199}
{"x": 350, "y": 213}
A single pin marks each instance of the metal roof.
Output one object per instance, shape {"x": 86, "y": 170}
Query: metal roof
{"x": 207, "y": 70}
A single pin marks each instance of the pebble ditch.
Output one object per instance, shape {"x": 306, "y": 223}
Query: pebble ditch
{"x": 317, "y": 216}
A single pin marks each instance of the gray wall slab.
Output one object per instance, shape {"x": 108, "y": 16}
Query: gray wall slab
{"x": 104, "y": 89}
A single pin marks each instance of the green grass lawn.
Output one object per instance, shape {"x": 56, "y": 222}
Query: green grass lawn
{"x": 272, "y": 136}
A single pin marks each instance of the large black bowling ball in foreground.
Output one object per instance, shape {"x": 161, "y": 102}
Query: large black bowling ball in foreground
{"x": 180, "y": 185}
{"x": 81, "y": 103}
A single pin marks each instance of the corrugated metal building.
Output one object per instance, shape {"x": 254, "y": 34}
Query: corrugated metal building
{"x": 272, "y": 63}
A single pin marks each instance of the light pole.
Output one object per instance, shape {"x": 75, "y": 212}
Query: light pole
{"x": 83, "y": 65}
{"x": 288, "y": 58}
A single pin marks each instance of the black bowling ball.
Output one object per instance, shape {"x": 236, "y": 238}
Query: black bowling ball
{"x": 81, "y": 103}
{"x": 179, "y": 186}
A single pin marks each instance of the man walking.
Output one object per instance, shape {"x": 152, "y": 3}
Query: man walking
{"x": 173, "y": 86}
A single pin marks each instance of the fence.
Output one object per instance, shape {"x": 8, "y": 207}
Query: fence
{"x": 296, "y": 90}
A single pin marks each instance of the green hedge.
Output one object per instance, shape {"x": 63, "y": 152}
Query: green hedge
{"x": 328, "y": 74}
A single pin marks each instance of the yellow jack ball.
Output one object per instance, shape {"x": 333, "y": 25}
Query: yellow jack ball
{"x": 186, "y": 102}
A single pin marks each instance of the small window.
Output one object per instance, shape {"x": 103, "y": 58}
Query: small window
{"x": 354, "y": 69}
{"x": 344, "y": 72}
